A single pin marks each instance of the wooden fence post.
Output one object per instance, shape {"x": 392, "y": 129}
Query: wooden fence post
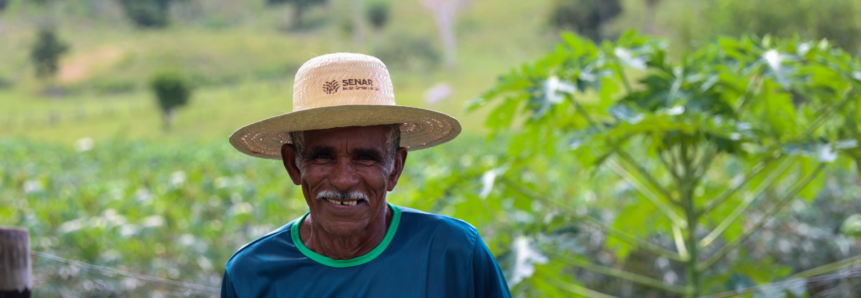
{"x": 15, "y": 280}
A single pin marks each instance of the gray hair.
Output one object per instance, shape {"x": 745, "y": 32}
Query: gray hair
{"x": 393, "y": 142}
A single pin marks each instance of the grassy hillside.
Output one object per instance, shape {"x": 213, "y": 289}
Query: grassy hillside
{"x": 242, "y": 55}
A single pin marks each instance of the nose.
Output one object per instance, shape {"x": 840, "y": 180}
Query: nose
{"x": 344, "y": 175}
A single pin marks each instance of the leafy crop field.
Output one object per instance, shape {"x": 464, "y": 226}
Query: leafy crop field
{"x": 579, "y": 159}
{"x": 179, "y": 210}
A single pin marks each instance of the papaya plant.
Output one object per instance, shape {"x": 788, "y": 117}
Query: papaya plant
{"x": 711, "y": 145}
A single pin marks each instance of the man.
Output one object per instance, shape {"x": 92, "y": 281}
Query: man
{"x": 346, "y": 144}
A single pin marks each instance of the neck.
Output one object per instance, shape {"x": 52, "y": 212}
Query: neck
{"x": 315, "y": 238}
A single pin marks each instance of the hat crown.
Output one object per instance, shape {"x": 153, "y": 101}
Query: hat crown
{"x": 343, "y": 90}
{"x": 342, "y": 79}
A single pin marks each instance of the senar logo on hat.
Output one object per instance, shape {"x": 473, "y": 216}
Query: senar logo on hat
{"x": 330, "y": 87}
{"x": 340, "y": 90}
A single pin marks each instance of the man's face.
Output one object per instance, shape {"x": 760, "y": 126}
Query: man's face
{"x": 347, "y": 160}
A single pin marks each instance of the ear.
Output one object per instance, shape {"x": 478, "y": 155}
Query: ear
{"x": 400, "y": 160}
{"x": 288, "y": 157}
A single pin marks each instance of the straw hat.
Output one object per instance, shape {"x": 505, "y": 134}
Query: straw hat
{"x": 340, "y": 90}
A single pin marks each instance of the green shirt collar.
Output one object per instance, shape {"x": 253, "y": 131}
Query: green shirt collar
{"x": 393, "y": 227}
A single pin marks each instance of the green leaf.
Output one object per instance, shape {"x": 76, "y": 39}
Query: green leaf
{"x": 852, "y": 226}
{"x": 551, "y": 94}
{"x": 502, "y": 115}
{"x": 626, "y": 114}
{"x": 607, "y": 90}
{"x": 824, "y": 152}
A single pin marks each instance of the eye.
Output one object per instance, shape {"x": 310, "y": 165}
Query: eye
{"x": 321, "y": 157}
{"x": 366, "y": 158}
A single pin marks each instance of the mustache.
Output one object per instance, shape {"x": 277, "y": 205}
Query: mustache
{"x": 353, "y": 195}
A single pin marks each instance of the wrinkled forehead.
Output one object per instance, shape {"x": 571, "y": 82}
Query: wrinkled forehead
{"x": 368, "y": 137}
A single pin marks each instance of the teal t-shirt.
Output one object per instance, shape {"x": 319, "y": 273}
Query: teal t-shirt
{"x": 422, "y": 255}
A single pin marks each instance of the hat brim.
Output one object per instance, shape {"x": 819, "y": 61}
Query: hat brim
{"x": 422, "y": 128}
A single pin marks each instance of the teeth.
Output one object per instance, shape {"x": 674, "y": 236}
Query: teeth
{"x": 348, "y": 203}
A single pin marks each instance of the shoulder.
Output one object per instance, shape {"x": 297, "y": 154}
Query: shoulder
{"x": 248, "y": 254}
{"x": 439, "y": 227}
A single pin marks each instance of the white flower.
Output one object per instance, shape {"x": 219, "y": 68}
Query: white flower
{"x": 72, "y": 225}
{"x": 177, "y": 178}
{"x": 152, "y": 221}
{"x": 524, "y": 260}
{"x": 204, "y": 263}
{"x": 773, "y": 58}
{"x": 32, "y": 186}
{"x": 678, "y": 110}
{"x": 241, "y": 208}
{"x": 84, "y": 144}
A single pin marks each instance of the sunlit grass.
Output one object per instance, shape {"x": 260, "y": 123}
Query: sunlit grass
{"x": 244, "y": 69}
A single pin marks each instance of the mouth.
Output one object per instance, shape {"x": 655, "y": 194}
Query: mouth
{"x": 352, "y": 199}
{"x": 347, "y": 202}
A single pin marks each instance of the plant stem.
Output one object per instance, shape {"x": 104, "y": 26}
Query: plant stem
{"x": 640, "y": 279}
{"x": 666, "y": 209}
{"x": 582, "y": 111}
{"x": 678, "y": 238}
{"x": 726, "y": 194}
{"x": 761, "y": 222}
{"x": 708, "y": 156}
{"x": 686, "y": 189}
{"x": 751, "y": 87}
{"x": 827, "y": 114}
{"x": 660, "y": 251}
{"x": 627, "y": 158}
{"x": 769, "y": 180}
{"x": 622, "y": 76}
{"x": 798, "y": 277}
{"x": 827, "y": 268}
{"x": 576, "y": 289}
{"x": 670, "y": 167}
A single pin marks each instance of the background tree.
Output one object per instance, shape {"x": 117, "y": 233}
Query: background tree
{"x": 299, "y": 8}
{"x": 46, "y": 51}
{"x": 652, "y": 4}
{"x": 586, "y": 17}
{"x": 415, "y": 53}
{"x": 147, "y": 13}
{"x": 3, "y": 4}
{"x": 836, "y": 20}
{"x": 445, "y": 14}
{"x": 358, "y": 10}
{"x": 378, "y": 14}
{"x": 172, "y": 90}
{"x": 771, "y": 114}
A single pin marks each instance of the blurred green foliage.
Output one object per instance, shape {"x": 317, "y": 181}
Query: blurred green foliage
{"x": 247, "y": 63}
{"x": 836, "y": 20}
{"x": 179, "y": 209}
{"x": 147, "y": 13}
{"x": 172, "y": 90}
{"x": 586, "y": 17}
{"x": 299, "y": 8}
{"x": 414, "y": 53}
{"x": 46, "y": 51}
{"x": 763, "y": 106}
{"x": 378, "y": 14}
{"x": 175, "y": 211}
